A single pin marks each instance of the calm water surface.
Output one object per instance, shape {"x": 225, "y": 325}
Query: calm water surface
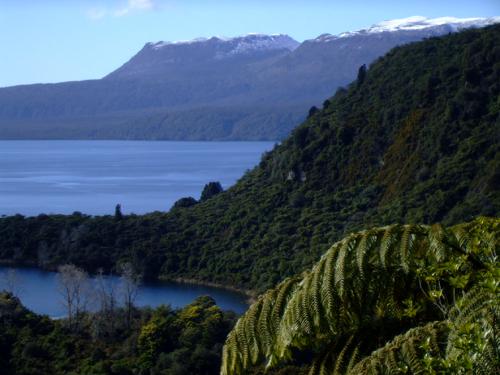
{"x": 38, "y": 291}
{"x": 93, "y": 176}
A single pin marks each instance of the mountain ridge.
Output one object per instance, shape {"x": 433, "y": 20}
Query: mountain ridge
{"x": 203, "y": 88}
{"x": 416, "y": 23}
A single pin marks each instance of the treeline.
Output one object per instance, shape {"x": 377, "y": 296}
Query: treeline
{"x": 413, "y": 140}
{"x": 154, "y": 341}
{"x": 245, "y": 123}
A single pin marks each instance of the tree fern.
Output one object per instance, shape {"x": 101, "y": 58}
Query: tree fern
{"x": 387, "y": 242}
{"x": 401, "y": 355}
{"x": 360, "y": 287}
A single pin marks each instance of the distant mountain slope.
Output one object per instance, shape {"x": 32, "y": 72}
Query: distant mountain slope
{"x": 253, "y": 87}
{"x": 163, "y": 60}
{"x": 413, "y": 140}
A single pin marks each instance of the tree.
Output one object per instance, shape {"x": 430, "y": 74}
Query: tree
{"x": 105, "y": 292}
{"x": 12, "y": 282}
{"x": 118, "y": 212}
{"x": 74, "y": 288}
{"x": 312, "y": 111}
{"x": 210, "y": 190}
{"x": 300, "y": 136}
{"x": 185, "y": 202}
{"x": 130, "y": 281}
{"x": 361, "y": 74}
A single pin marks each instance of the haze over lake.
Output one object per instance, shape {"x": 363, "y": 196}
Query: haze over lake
{"x": 93, "y": 176}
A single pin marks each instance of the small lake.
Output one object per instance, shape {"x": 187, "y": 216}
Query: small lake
{"x": 38, "y": 291}
{"x": 93, "y": 176}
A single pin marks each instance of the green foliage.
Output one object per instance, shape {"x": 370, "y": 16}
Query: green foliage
{"x": 185, "y": 202}
{"x": 159, "y": 341}
{"x": 312, "y": 111}
{"x": 361, "y": 75}
{"x": 415, "y": 143}
{"x": 408, "y": 353}
{"x": 211, "y": 190}
{"x": 427, "y": 296}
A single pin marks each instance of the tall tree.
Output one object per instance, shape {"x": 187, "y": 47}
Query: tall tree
{"x": 118, "y": 212}
{"x": 130, "y": 281}
{"x": 74, "y": 288}
{"x": 210, "y": 190}
{"x": 312, "y": 111}
{"x": 106, "y": 296}
{"x": 361, "y": 74}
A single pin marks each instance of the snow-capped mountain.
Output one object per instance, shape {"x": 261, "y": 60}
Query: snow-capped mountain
{"x": 248, "y": 87}
{"x": 240, "y": 44}
{"x": 157, "y": 59}
{"x": 438, "y": 25}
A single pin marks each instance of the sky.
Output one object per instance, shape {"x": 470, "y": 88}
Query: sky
{"x": 64, "y": 40}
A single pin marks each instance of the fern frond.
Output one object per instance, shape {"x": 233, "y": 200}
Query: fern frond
{"x": 436, "y": 244}
{"x": 328, "y": 292}
{"x": 362, "y": 283}
{"x": 402, "y": 352}
{"x": 251, "y": 331}
{"x": 354, "y": 358}
{"x": 389, "y": 239}
{"x": 265, "y": 327}
{"x": 364, "y": 248}
{"x": 340, "y": 361}
{"x": 405, "y": 248}
{"x": 340, "y": 273}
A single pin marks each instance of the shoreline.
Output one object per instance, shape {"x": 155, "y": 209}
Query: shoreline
{"x": 251, "y": 296}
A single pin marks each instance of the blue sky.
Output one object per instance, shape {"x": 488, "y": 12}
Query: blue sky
{"x": 61, "y": 40}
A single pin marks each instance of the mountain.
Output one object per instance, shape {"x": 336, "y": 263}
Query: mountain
{"x": 252, "y": 87}
{"x": 413, "y": 140}
{"x": 162, "y": 60}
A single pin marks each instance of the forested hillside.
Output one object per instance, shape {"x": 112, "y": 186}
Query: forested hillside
{"x": 413, "y": 140}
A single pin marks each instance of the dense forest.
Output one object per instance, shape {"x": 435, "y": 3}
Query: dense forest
{"x": 399, "y": 299}
{"x": 156, "y": 341}
{"x": 413, "y": 140}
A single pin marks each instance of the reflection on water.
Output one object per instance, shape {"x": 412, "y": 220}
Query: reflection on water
{"x": 38, "y": 291}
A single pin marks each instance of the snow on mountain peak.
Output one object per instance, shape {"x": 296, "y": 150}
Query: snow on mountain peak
{"x": 161, "y": 44}
{"x": 240, "y": 44}
{"x": 414, "y": 23}
{"x": 419, "y": 22}
{"x": 261, "y": 42}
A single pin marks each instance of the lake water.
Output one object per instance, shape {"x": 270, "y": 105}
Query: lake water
{"x": 38, "y": 291}
{"x": 93, "y": 176}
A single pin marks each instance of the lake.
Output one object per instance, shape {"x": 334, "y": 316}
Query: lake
{"x": 93, "y": 176}
{"x": 38, "y": 291}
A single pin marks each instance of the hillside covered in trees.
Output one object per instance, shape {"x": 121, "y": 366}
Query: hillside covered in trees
{"x": 413, "y": 140}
